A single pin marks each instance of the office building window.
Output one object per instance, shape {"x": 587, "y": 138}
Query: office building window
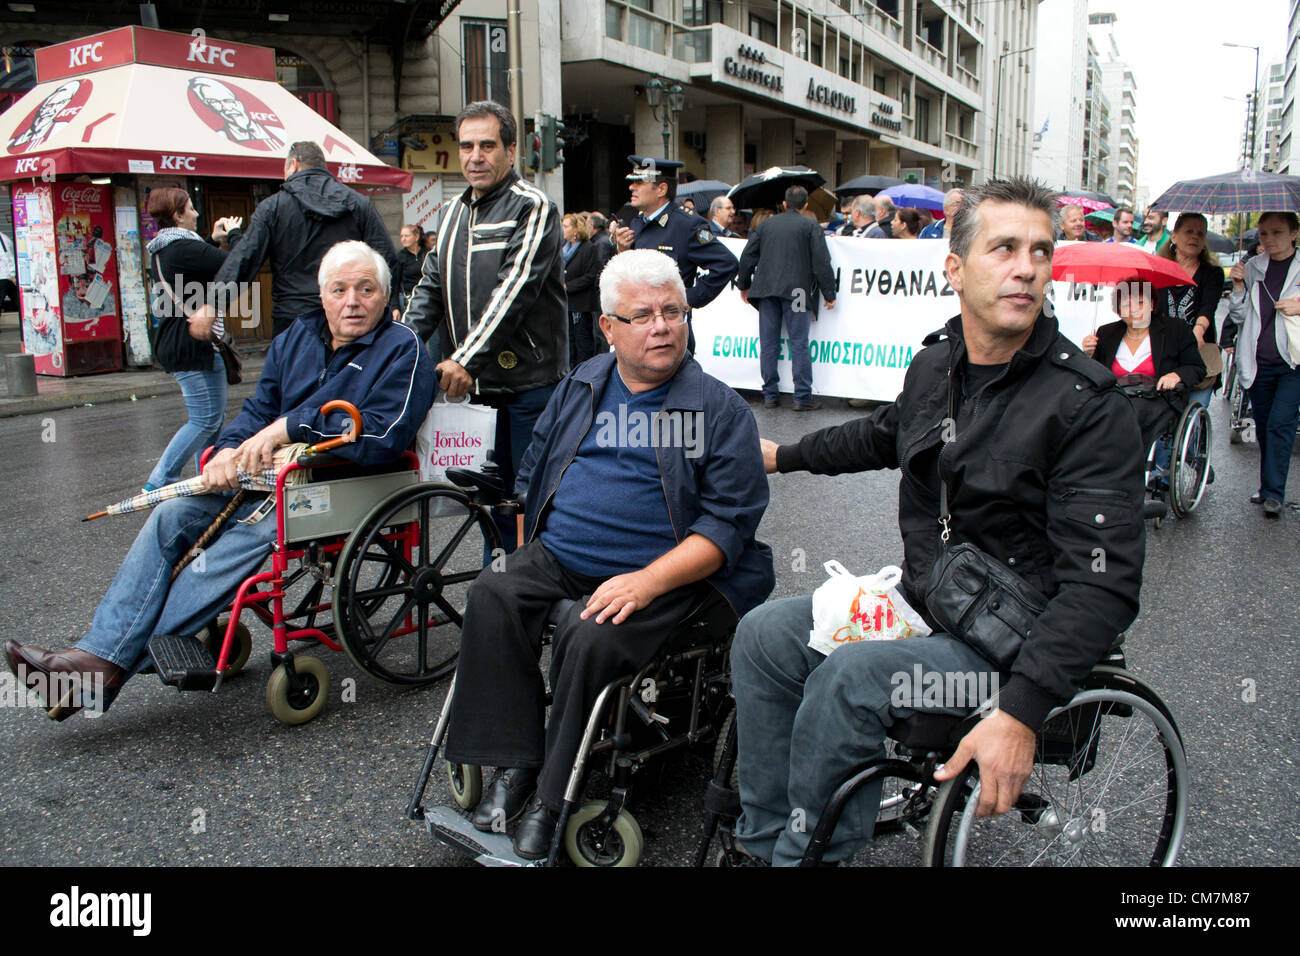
{"x": 698, "y": 13}
{"x": 764, "y": 30}
{"x": 487, "y": 61}
{"x": 923, "y": 119}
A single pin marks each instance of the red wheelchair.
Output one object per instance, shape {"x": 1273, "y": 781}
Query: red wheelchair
{"x": 397, "y": 557}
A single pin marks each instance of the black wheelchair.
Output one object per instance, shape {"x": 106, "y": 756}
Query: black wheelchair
{"x": 1108, "y": 788}
{"x": 678, "y": 700}
{"x": 1169, "y": 421}
{"x": 1235, "y": 394}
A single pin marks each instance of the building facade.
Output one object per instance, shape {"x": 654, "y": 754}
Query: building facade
{"x": 1119, "y": 86}
{"x": 1060, "y": 94}
{"x": 1288, "y": 150}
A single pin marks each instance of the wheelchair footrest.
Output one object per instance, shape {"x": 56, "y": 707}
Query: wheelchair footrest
{"x": 488, "y": 849}
{"x": 183, "y": 662}
{"x": 722, "y": 801}
{"x": 1154, "y": 508}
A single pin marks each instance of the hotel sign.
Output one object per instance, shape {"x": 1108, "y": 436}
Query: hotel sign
{"x": 741, "y": 62}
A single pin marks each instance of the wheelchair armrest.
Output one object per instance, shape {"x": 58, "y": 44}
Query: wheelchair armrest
{"x": 493, "y": 489}
{"x": 320, "y": 459}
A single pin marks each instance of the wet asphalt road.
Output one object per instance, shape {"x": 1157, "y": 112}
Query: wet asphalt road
{"x": 132, "y": 788}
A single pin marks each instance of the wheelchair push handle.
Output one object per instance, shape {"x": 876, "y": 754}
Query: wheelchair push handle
{"x": 348, "y": 437}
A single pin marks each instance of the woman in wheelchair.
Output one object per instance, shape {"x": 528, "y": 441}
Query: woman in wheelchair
{"x": 1155, "y": 359}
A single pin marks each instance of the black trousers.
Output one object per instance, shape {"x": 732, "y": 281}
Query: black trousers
{"x": 498, "y": 714}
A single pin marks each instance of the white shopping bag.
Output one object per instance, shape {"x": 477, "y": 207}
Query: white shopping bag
{"x": 455, "y": 435}
{"x": 847, "y": 608}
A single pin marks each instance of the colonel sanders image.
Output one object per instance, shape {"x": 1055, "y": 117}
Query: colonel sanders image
{"x": 225, "y": 103}
{"x": 45, "y": 121}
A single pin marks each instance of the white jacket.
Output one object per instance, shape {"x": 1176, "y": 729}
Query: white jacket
{"x": 1243, "y": 308}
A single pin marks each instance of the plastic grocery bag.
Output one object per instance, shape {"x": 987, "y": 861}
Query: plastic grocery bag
{"x": 455, "y": 435}
{"x": 847, "y": 608}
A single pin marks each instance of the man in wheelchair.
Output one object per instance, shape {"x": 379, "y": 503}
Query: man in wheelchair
{"x": 349, "y": 349}
{"x": 645, "y": 487}
{"x": 1022, "y": 428}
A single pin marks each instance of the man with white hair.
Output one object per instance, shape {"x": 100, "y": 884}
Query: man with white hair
{"x": 348, "y": 349}
{"x": 645, "y": 487}
{"x": 939, "y": 229}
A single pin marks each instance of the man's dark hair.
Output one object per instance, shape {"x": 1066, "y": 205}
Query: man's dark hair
{"x": 911, "y": 219}
{"x": 488, "y": 108}
{"x": 1121, "y": 210}
{"x": 307, "y": 155}
{"x": 598, "y": 222}
{"x": 796, "y": 197}
{"x": 1018, "y": 190}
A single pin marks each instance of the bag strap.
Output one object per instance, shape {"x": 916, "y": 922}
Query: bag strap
{"x": 945, "y": 515}
{"x": 157, "y": 268}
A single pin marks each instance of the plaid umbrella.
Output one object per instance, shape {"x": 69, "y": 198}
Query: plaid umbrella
{"x": 263, "y": 480}
{"x": 1245, "y": 190}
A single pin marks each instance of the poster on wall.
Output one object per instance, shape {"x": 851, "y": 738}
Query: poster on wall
{"x": 130, "y": 271}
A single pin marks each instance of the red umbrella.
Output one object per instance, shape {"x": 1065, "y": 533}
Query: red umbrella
{"x": 1108, "y": 263}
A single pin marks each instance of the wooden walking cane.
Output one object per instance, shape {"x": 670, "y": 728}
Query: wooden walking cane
{"x": 208, "y": 535}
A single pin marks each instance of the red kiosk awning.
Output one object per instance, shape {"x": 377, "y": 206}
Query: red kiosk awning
{"x": 136, "y": 100}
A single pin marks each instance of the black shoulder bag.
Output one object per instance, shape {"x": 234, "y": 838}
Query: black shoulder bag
{"x": 974, "y": 597}
{"x": 224, "y": 344}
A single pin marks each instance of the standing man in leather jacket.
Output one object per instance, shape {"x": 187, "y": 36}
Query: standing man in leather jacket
{"x": 494, "y": 285}
{"x": 1040, "y": 475}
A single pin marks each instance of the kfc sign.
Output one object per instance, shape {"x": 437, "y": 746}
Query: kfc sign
{"x": 209, "y": 53}
{"x": 86, "y": 53}
{"x": 157, "y": 47}
{"x": 349, "y": 174}
{"x": 176, "y": 162}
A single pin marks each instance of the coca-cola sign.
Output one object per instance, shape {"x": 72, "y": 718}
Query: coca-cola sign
{"x": 81, "y": 194}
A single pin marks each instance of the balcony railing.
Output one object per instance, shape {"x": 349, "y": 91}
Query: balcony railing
{"x": 968, "y": 79}
{"x": 959, "y": 145}
{"x": 871, "y": 15}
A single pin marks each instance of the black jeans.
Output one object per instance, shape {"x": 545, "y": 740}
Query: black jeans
{"x": 498, "y": 715}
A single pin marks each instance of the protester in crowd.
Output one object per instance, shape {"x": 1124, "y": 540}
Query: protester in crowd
{"x": 1154, "y": 231}
{"x": 638, "y": 535}
{"x": 721, "y": 211}
{"x": 410, "y": 257}
{"x": 906, "y": 224}
{"x": 582, "y": 268}
{"x": 181, "y": 258}
{"x": 784, "y": 271}
{"x": 598, "y": 226}
{"x": 740, "y": 224}
{"x": 1073, "y": 226}
{"x": 688, "y": 204}
{"x": 500, "y": 303}
{"x": 862, "y": 216}
{"x": 1036, "y": 486}
{"x": 1266, "y": 364}
{"x": 760, "y": 216}
{"x": 940, "y": 228}
{"x": 883, "y": 227}
{"x": 1193, "y": 304}
{"x": 1122, "y": 225}
{"x": 430, "y": 240}
{"x": 348, "y": 348}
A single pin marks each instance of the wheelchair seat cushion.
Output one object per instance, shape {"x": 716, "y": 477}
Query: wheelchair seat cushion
{"x": 931, "y": 731}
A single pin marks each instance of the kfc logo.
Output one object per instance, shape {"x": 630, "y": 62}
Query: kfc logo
{"x": 203, "y": 52}
{"x": 238, "y": 115}
{"x": 85, "y": 54}
{"x": 349, "y": 174}
{"x": 51, "y": 116}
{"x": 176, "y": 162}
{"x": 25, "y": 166}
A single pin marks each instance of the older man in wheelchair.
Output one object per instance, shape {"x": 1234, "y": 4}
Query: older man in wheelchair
{"x": 645, "y": 487}
{"x": 1156, "y": 362}
{"x": 1006, "y": 435}
{"x": 348, "y": 350}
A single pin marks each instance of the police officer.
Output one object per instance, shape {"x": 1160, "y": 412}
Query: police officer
{"x": 667, "y": 227}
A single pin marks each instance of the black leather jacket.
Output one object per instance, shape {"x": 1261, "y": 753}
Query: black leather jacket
{"x": 504, "y": 319}
{"x": 1041, "y": 474}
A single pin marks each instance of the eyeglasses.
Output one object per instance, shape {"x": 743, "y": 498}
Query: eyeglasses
{"x": 672, "y": 316}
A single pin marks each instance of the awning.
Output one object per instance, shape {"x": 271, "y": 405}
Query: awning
{"x": 141, "y": 118}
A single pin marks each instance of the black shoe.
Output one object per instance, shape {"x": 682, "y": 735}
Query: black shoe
{"x": 536, "y": 829}
{"x": 505, "y": 799}
{"x": 807, "y": 406}
{"x": 1272, "y": 508}
{"x": 771, "y": 403}
{"x": 1257, "y": 499}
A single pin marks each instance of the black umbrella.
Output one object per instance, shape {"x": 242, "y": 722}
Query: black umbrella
{"x": 702, "y": 191}
{"x": 768, "y": 187}
{"x": 1219, "y": 243}
{"x": 866, "y": 184}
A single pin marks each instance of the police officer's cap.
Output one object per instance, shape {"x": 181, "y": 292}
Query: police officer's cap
{"x": 649, "y": 169}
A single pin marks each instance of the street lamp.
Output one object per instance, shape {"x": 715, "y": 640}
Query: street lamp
{"x": 997, "y": 121}
{"x": 655, "y": 89}
{"x": 1254, "y": 98}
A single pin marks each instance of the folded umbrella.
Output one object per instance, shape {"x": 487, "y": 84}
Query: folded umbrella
{"x": 914, "y": 196}
{"x": 1245, "y": 190}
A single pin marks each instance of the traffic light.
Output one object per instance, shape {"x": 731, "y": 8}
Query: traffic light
{"x": 534, "y": 142}
{"x": 552, "y": 142}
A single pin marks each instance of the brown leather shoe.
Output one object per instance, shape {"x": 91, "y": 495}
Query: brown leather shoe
{"x": 61, "y": 675}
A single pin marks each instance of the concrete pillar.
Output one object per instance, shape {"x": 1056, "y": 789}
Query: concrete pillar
{"x": 819, "y": 153}
{"x": 854, "y": 161}
{"x": 776, "y": 147}
{"x": 725, "y": 157}
{"x": 650, "y": 131}
{"x": 884, "y": 162}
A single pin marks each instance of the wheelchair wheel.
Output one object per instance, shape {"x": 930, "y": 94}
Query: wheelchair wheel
{"x": 214, "y": 634}
{"x": 1190, "y": 465}
{"x": 403, "y": 579}
{"x": 1108, "y": 788}
{"x": 294, "y": 707}
{"x": 466, "y": 783}
{"x": 622, "y": 846}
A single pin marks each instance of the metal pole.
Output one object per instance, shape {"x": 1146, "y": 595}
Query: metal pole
{"x": 1254, "y": 110}
{"x": 997, "y": 120}
{"x": 514, "y": 51}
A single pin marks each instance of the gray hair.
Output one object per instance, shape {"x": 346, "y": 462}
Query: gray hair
{"x": 637, "y": 267}
{"x": 885, "y": 203}
{"x": 966, "y": 220}
{"x": 348, "y": 253}
{"x": 866, "y": 206}
{"x": 717, "y": 204}
{"x": 952, "y": 197}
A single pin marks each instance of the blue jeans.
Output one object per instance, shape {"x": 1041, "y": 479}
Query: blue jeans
{"x": 205, "y": 398}
{"x": 1275, "y": 398}
{"x": 143, "y": 601}
{"x": 807, "y": 722}
{"x": 516, "y": 416}
{"x": 772, "y": 311}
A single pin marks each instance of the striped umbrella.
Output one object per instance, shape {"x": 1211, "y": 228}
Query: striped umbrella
{"x": 1245, "y": 190}
{"x": 263, "y": 480}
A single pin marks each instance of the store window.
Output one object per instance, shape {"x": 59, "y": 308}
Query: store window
{"x": 486, "y": 61}
{"x": 300, "y": 78}
{"x": 764, "y": 30}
